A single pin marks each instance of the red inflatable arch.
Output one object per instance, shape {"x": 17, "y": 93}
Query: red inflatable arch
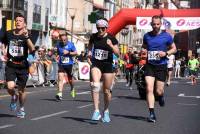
{"x": 128, "y": 16}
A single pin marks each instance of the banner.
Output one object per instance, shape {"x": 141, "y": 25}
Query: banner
{"x": 178, "y": 23}
{"x": 84, "y": 70}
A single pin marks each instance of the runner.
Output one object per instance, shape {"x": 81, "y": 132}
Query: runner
{"x": 129, "y": 68}
{"x": 115, "y": 70}
{"x": 193, "y": 65}
{"x": 18, "y": 43}
{"x": 101, "y": 48}
{"x": 170, "y": 66}
{"x": 66, "y": 50}
{"x": 158, "y": 45}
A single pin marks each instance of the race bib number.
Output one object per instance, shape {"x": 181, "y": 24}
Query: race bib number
{"x": 15, "y": 50}
{"x": 65, "y": 59}
{"x": 153, "y": 55}
{"x": 101, "y": 54}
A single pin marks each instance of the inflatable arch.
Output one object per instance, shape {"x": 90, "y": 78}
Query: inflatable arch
{"x": 128, "y": 16}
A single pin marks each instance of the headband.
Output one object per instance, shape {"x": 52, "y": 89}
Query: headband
{"x": 102, "y": 23}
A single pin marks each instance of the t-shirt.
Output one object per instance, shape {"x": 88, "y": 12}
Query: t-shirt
{"x": 17, "y": 51}
{"x": 170, "y": 62}
{"x": 65, "y": 60}
{"x": 156, "y": 43}
{"x": 193, "y": 64}
{"x": 102, "y": 52}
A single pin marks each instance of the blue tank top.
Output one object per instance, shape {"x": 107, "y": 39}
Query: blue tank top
{"x": 65, "y": 60}
{"x": 156, "y": 43}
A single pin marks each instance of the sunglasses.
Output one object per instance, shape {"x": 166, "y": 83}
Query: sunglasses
{"x": 102, "y": 28}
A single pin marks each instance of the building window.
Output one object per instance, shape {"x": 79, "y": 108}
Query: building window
{"x": 5, "y": 3}
{"x": 36, "y": 13}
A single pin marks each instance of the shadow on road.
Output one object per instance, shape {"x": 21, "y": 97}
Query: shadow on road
{"x": 89, "y": 121}
{"x": 80, "y": 100}
{"x": 6, "y": 115}
{"x": 67, "y": 100}
{"x": 131, "y": 117}
{"x": 49, "y": 100}
{"x": 128, "y": 97}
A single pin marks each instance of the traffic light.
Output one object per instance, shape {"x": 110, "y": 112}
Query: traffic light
{"x": 94, "y": 16}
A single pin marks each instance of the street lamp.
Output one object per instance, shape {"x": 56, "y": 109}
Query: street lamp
{"x": 72, "y": 13}
{"x": 13, "y": 14}
{"x": 72, "y": 27}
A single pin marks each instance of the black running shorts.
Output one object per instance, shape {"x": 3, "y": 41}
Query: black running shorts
{"x": 66, "y": 69}
{"x": 157, "y": 71}
{"x": 104, "y": 67}
{"x": 18, "y": 74}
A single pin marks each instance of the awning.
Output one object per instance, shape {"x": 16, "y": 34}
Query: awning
{"x": 100, "y": 7}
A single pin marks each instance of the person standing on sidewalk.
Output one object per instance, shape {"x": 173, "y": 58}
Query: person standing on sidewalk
{"x": 18, "y": 44}
{"x": 101, "y": 48}
{"x": 193, "y": 65}
{"x": 66, "y": 50}
{"x": 170, "y": 66}
{"x": 158, "y": 45}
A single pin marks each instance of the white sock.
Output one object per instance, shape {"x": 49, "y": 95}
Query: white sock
{"x": 21, "y": 109}
{"x": 97, "y": 110}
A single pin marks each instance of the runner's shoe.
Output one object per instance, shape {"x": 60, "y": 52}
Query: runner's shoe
{"x": 161, "y": 101}
{"x": 58, "y": 97}
{"x": 13, "y": 103}
{"x": 152, "y": 117}
{"x": 106, "y": 117}
{"x": 73, "y": 93}
{"x": 21, "y": 114}
{"x": 96, "y": 116}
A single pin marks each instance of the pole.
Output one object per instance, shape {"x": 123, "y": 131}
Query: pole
{"x": 13, "y": 14}
{"x": 72, "y": 28}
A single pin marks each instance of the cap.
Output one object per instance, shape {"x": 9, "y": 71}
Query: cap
{"x": 62, "y": 32}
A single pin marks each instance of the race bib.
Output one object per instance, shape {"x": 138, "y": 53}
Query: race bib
{"x": 101, "y": 54}
{"x": 153, "y": 55}
{"x": 65, "y": 59}
{"x": 15, "y": 50}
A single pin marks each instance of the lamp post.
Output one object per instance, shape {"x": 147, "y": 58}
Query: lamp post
{"x": 72, "y": 27}
{"x": 13, "y": 14}
{"x": 72, "y": 12}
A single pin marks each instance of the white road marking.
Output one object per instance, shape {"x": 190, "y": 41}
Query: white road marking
{"x": 187, "y": 104}
{"x": 85, "y": 106}
{"x": 183, "y": 95}
{"x": 86, "y": 92}
{"x": 49, "y": 115}
{"x": 6, "y": 126}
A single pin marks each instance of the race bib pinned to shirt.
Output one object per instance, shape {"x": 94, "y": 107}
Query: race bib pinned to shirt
{"x": 65, "y": 60}
{"x": 153, "y": 55}
{"x": 101, "y": 54}
{"x": 15, "y": 50}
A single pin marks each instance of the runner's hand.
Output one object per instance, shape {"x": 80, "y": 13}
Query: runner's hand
{"x": 109, "y": 42}
{"x": 89, "y": 55}
{"x": 25, "y": 32}
{"x": 162, "y": 54}
{"x": 65, "y": 52}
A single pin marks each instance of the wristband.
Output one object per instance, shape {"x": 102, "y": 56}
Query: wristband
{"x": 27, "y": 37}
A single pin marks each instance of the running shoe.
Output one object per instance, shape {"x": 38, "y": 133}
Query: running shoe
{"x": 58, "y": 97}
{"x": 96, "y": 116}
{"x": 21, "y": 114}
{"x": 106, "y": 117}
{"x": 73, "y": 93}
{"x": 152, "y": 117}
{"x": 161, "y": 101}
{"x": 13, "y": 103}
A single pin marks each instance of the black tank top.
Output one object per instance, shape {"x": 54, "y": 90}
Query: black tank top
{"x": 102, "y": 52}
{"x": 17, "y": 49}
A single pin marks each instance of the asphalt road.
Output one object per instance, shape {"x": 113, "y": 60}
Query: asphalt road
{"x": 181, "y": 115}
